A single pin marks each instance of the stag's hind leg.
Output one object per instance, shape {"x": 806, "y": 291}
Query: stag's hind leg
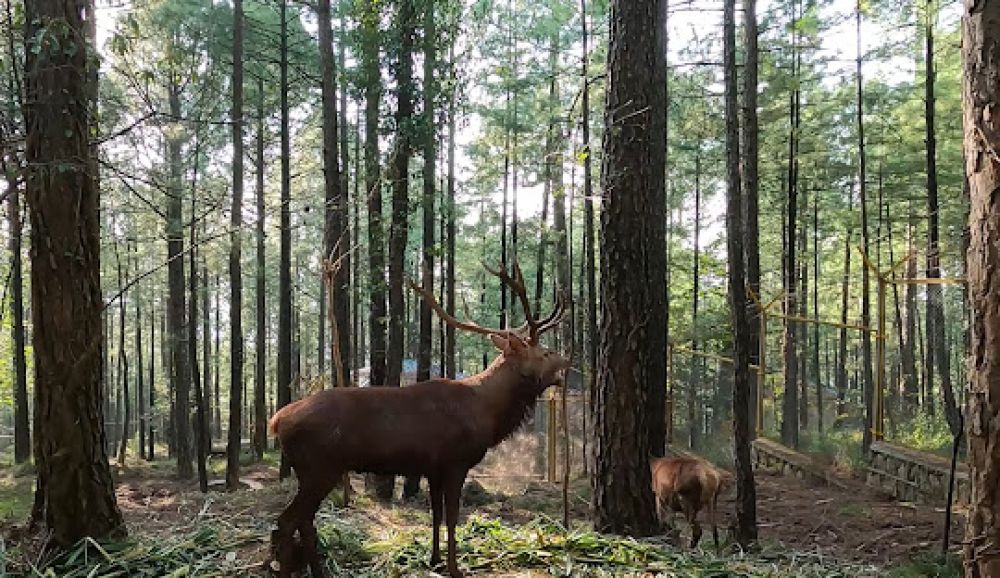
{"x": 437, "y": 513}
{"x": 307, "y": 529}
{"x": 284, "y": 549}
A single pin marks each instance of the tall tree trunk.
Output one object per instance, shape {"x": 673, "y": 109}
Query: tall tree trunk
{"x": 632, "y": 364}
{"x": 202, "y": 439}
{"x": 216, "y": 374}
{"x": 429, "y": 133}
{"x": 845, "y": 289}
{"x": 750, "y": 158}
{"x": 335, "y": 240}
{"x": 938, "y": 350}
{"x": 285, "y": 250}
{"x": 206, "y": 349}
{"x": 911, "y": 393}
{"x": 260, "y": 358}
{"x": 236, "y": 348}
{"x": 348, "y": 309}
{"x": 589, "y": 225}
{"x": 123, "y": 358}
{"x": 150, "y": 452}
{"x": 789, "y": 406}
{"x": 694, "y": 380}
{"x": 450, "y": 215}
{"x": 866, "y": 343}
{"x": 803, "y": 335}
{"x": 815, "y": 304}
{"x": 75, "y": 488}
{"x": 405, "y": 24}
{"x": 372, "y": 82}
{"x": 746, "y": 494}
{"x": 139, "y": 367}
{"x": 400, "y": 190}
{"x": 336, "y": 203}
{"x": 980, "y": 89}
{"x": 180, "y": 370}
{"x": 22, "y": 427}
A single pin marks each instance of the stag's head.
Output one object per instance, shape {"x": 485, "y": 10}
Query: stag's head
{"x": 520, "y": 348}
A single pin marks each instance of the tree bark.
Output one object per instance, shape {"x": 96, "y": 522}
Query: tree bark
{"x": 22, "y": 427}
{"x": 980, "y": 88}
{"x": 123, "y": 358}
{"x": 202, "y": 440}
{"x": 150, "y": 452}
{"x": 260, "y": 358}
{"x": 746, "y": 493}
{"x": 285, "y": 249}
{"x": 398, "y": 232}
{"x": 139, "y": 368}
{"x": 75, "y": 488}
{"x": 866, "y": 343}
{"x": 450, "y": 215}
{"x": 789, "y": 405}
{"x": 751, "y": 187}
{"x": 237, "y": 353}
{"x": 817, "y": 381}
{"x": 694, "y": 380}
{"x": 176, "y": 304}
{"x": 632, "y": 362}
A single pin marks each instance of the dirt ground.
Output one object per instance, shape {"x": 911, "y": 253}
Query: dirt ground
{"x": 855, "y": 525}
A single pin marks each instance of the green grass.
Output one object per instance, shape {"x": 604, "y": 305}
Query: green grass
{"x": 16, "y": 495}
{"x": 925, "y": 433}
{"x": 485, "y": 546}
{"x": 929, "y": 565}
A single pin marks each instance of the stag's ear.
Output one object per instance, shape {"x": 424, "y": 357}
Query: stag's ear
{"x": 508, "y": 344}
{"x": 500, "y": 342}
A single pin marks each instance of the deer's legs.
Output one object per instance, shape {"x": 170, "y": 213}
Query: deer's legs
{"x": 283, "y": 548}
{"x": 452, "y": 499}
{"x": 712, "y": 518}
{"x": 691, "y": 514}
{"x": 437, "y": 513}
{"x": 307, "y": 529}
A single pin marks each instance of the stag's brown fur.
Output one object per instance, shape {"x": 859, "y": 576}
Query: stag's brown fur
{"x": 687, "y": 485}
{"x": 438, "y": 429}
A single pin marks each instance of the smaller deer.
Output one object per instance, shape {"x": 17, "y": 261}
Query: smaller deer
{"x": 687, "y": 485}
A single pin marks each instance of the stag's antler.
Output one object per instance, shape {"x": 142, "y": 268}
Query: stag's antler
{"x": 531, "y": 330}
{"x": 531, "y": 324}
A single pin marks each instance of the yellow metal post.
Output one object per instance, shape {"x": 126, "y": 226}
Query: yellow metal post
{"x": 761, "y": 372}
{"x": 551, "y": 436}
{"x": 879, "y": 424}
{"x": 670, "y": 393}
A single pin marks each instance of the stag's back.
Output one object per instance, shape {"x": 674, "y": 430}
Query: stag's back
{"x": 384, "y": 430}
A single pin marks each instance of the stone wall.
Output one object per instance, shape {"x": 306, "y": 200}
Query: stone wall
{"x": 772, "y": 456}
{"x": 913, "y": 476}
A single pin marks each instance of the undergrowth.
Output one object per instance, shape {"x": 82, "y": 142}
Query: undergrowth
{"x": 486, "y": 546}
{"x": 925, "y": 433}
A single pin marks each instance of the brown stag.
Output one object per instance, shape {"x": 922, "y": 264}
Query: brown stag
{"x": 438, "y": 429}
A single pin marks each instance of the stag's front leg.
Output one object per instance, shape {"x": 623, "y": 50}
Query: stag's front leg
{"x": 452, "y": 500}
{"x": 437, "y": 513}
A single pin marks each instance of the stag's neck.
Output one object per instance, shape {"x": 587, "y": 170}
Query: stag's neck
{"x": 502, "y": 387}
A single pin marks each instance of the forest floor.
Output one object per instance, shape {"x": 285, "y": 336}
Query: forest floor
{"x": 509, "y": 530}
